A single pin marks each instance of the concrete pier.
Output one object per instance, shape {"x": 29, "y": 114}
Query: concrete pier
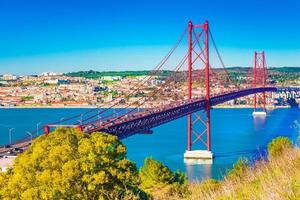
{"x": 198, "y": 154}
{"x": 259, "y": 113}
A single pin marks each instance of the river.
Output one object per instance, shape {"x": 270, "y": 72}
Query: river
{"x": 235, "y": 133}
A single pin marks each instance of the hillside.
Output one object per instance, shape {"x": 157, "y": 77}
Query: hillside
{"x": 94, "y": 166}
{"x": 278, "y": 74}
{"x": 97, "y": 74}
{"x": 278, "y": 178}
{"x": 274, "y": 178}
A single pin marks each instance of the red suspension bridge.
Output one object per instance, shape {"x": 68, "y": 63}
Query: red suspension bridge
{"x": 191, "y": 89}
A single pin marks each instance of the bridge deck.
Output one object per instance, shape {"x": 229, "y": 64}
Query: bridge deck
{"x": 127, "y": 125}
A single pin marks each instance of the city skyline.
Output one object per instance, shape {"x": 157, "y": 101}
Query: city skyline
{"x": 53, "y": 36}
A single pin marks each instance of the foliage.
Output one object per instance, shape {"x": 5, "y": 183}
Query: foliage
{"x": 278, "y": 179}
{"x": 210, "y": 184}
{"x": 157, "y": 178}
{"x": 233, "y": 71}
{"x": 69, "y": 164}
{"x": 96, "y": 74}
{"x": 108, "y": 82}
{"x": 286, "y": 69}
{"x": 26, "y": 98}
{"x": 239, "y": 169}
{"x": 200, "y": 189}
{"x": 278, "y": 145}
{"x": 114, "y": 93}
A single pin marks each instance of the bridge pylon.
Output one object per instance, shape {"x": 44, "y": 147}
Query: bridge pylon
{"x": 198, "y": 54}
{"x": 259, "y": 80}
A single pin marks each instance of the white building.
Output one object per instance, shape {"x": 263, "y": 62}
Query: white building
{"x": 50, "y": 74}
{"x": 51, "y": 81}
{"x": 111, "y": 78}
{"x": 9, "y": 77}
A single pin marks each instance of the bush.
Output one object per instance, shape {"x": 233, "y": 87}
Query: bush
{"x": 239, "y": 169}
{"x": 278, "y": 145}
{"x": 210, "y": 185}
{"x": 159, "y": 179}
{"x": 200, "y": 190}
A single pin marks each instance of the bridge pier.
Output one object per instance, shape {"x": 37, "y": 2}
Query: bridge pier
{"x": 259, "y": 113}
{"x": 198, "y": 154}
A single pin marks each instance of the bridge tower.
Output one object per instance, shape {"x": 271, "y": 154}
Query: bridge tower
{"x": 198, "y": 54}
{"x": 259, "y": 80}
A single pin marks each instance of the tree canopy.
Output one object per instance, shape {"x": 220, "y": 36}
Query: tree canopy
{"x": 69, "y": 164}
{"x": 96, "y": 74}
{"x": 157, "y": 179}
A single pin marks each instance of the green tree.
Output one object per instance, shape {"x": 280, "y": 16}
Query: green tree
{"x": 157, "y": 179}
{"x": 69, "y": 164}
{"x": 27, "y": 98}
{"x": 278, "y": 146}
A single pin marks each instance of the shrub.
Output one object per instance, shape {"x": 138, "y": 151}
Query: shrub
{"x": 210, "y": 184}
{"x": 201, "y": 190}
{"x": 157, "y": 178}
{"x": 239, "y": 169}
{"x": 278, "y": 145}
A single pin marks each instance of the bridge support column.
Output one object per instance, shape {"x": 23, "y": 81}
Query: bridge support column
{"x": 190, "y": 49}
{"x": 203, "y": 57}
{"x": 259, "y": 80}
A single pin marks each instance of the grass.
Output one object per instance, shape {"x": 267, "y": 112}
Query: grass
{"x": 278, "y": 178}
{"x": 275, "y": 178}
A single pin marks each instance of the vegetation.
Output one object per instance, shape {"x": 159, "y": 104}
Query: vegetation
{"x": 158, "y": 180}
{"x": 96, "y": 74}
{"x": 239, "y": 169}
{"x": 69, "y": 164}
{"x": 114, "y": 93}
{"x": 286, "y": 69}
{"x": 278, "y": 179}
{"x": 278, "y": 146}
{"x": 238, "y": 74}
{"x": 26, "y": 98}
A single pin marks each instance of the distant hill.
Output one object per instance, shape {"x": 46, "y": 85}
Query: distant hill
{"x": 275, "y": 69}
{"x": 236, "y": 69}
{"x": 285, "y": 69}
{"x": 97, "y": 74}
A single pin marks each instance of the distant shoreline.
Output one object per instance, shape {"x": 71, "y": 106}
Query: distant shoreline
{"x": 91, "y": 107}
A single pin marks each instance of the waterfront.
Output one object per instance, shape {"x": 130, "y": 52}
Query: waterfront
{"x": 234, "y": 133}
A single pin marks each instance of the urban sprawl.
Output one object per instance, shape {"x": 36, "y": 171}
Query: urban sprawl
{"x": 127, "y": 89}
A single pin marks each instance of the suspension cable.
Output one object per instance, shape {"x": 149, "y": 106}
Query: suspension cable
{"x": 220, "y": 59}
{"x": 153, "y": 94}
{"x": 143, "y": 81}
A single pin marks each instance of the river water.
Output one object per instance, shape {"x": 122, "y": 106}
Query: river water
{"x": 235, "y": 134}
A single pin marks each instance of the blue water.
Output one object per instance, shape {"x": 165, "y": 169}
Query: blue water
{"x": 235, "y": 134}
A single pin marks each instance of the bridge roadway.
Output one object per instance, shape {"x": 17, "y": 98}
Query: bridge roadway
{"x": 142, "y": 122}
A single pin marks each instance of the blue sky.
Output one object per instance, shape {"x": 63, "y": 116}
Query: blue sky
{"x": 61, "y": 35}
